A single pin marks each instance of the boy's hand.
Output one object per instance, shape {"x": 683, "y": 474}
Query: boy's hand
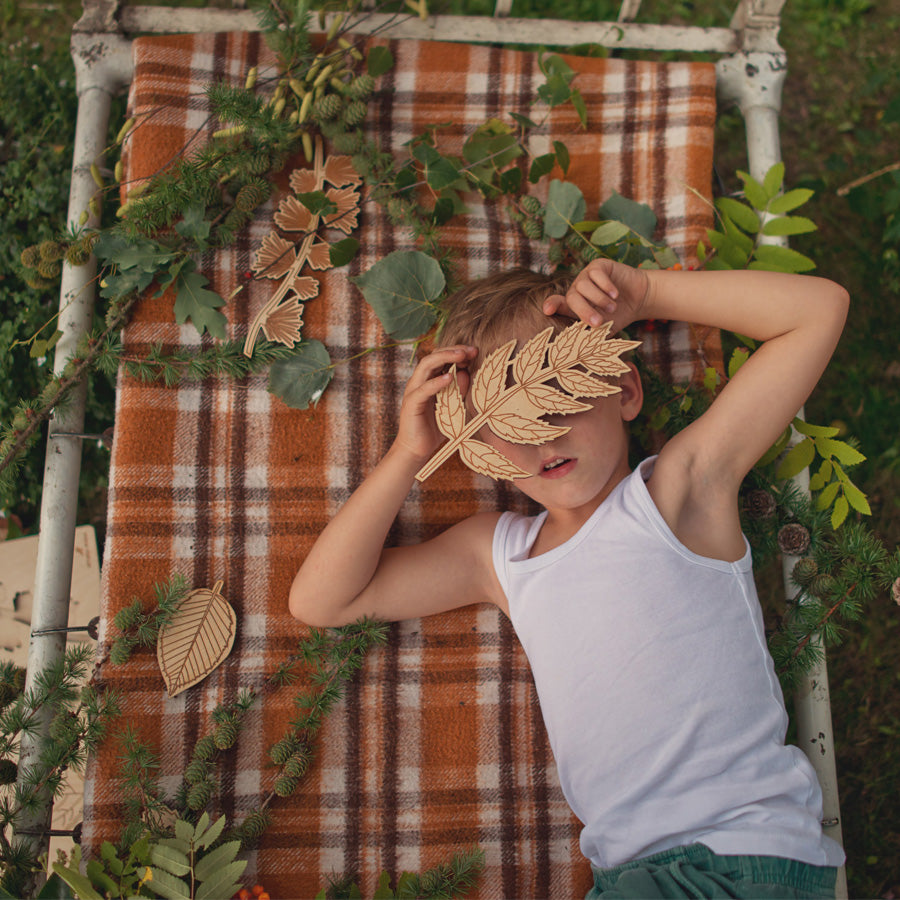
{"x": 417, "y": 432}
{"x": 603, "y": 290}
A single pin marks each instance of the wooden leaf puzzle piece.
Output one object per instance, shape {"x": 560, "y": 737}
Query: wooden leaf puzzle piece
{"x": 197, "y": 639}
{"x": 573, "y": 360}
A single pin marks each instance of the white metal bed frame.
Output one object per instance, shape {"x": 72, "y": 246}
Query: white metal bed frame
{"x": 750, "y": 73}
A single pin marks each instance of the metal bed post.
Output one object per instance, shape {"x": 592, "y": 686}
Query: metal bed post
{"x": 103, "y": 68}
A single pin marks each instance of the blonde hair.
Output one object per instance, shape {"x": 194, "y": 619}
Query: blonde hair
{"x": 491, "y": 310}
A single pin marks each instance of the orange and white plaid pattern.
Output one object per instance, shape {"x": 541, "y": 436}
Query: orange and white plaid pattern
{"x": 439, "y": 744}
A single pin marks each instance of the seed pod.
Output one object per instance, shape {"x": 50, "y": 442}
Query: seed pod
{"x": 250, "y": 82}
{"x": 118, "y": 171}
{"x": 296, "y": 85}
{"x": 94, "y": 207}
{"x": 305, "y": 107}
{"x": 230, "y": 132}
{"x": 82, "y": 219}
{"x": 280, "y": 103}
{"x": 323, "y": 76}
{"x": 95, "y": 174}
{"x": 335, "y": 26}
{"x": 123, "y": 131}
{"x": 307, "y": 146}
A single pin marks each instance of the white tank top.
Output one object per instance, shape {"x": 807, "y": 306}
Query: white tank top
{"x": 660, "y": 698}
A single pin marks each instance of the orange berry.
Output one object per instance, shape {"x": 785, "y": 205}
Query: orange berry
{"x": 258, "y": 890}
{"x": 264, "y": 896}
{"x": 244, "y": 894}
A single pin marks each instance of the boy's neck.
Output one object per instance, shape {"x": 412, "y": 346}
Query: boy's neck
{"x": 563, "y": 524}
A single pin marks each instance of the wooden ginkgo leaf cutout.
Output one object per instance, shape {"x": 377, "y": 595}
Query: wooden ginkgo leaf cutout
{"x": 513, "y": 410}
{"x": 197, "y": 639}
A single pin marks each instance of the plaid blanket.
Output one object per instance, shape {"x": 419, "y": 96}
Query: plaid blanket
{"x": 439, "y": 744}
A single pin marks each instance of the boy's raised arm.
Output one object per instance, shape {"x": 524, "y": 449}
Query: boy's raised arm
{"x": 349, "y": 574}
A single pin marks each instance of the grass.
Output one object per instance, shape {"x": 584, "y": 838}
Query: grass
{"x": 841, "y": 120}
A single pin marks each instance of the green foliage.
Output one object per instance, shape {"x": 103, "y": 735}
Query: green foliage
{"x": 300, "y": 379}
{"x": 738, "y": 242}
{"x": 140, "y": 628}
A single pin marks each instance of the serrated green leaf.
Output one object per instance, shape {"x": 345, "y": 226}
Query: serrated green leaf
{"x": 773, "y": 180}
{"x": 555, "y": 90}
{"x": 609, "y": 233}
{"x": 541, "y": 166}
{"x": 383, "y": 890}
{"x": 196, "y": 302}
{"x": 212, "y": 834}
{"x": 524, "y": 121}
{"x": 780, "y": 259}
{"x": 829, "y": 492}
{"x": 710, "y": 379}
{"x": 379, "y": 61}
{"x": 440, "y": 171}
{"x": 184, "y": 831}
{"x": 401, "y": 289}
{"x": 796, "y": 459}
{"x": 173, "y": 861}
{"x": 54, "y": 889}
{"x": 222, "y": 883}
{"x": 665, "y": 257}
{"x": 740, "y": 213}
{"x": 300, "y": 379}
{"x": 317, "y": 202}
{"x": 790, "y": 200}
{"x": 223, "y": 855}
{"x": 839, "y": 450}
{"x": 342, "y": 252}
{"x": 562, "y": 155}
{"x": 815, "y": 431}
{"x": 200, "y": 828}
{"x": 510, "y": 181}
{"x": 857, "y": 499}
{"x": 565, "y": 206}
{"x": 194, "y": 226}
{"x": 176, "y": 843}
{"x": 754, "y": 191}
{"x": 839, "y": 513}
{"x": 110, "y": 855}
{"x": 100, "y": 879}
{"x": 166, "y": 885}
{"x": 789, "y": 225}
{"x": 736, "y": 236}
{"x": 822, "y": 476}
{"x": 580, "y": 107}
{"x": 738, "y": 358}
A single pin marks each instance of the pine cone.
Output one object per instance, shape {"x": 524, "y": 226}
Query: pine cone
{"x": 51, "y": 251}
{"x": 793, "y": 539}
{"x": 254, "y": 825}
{"x": 7, "y": 694}
{"x": 556, "y": 254}
{"x": 281, "y": 752}
{"x": 895, "y": 591}
{"x": 77, "y": 254}
{"x": 225, "y": 735}
{"x": 8, "y": 771}
{"x": 120, "y": 651}
{"x": 285, "y": 785}
{"x": 348, "y": 142}
{"x": 588, "y": 253}
{"x": 327, "y": 107}
{"x": 355, "y": 112}
{"x": 49, "y": 270}
{"x": 533, "y": 229}
{"x": 760, "y": 504}
{"x": 195, "y": 772}
{"x": 361, "y": 87}
{"x": 531, "y": 205}
{"x": 297, "y": 765}
{"x": 804, "y": 571}
{"x": 822, "y": 586}
{"x": 31, "y": 256}
{"x": 205, "y": 748}
{"x": 252, "y": 195}
{"x": 199, "y": 795}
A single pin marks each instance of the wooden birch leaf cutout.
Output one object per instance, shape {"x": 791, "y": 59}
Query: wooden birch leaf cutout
{"x": 512, "y": 409}
{"x": 197, "y": 639}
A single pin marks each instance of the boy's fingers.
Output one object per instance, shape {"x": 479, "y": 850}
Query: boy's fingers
{"x": 438, "y": 360}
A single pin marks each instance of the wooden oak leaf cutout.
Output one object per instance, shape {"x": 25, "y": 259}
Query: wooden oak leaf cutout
{"x": 511, "y": 394}
{"x": 319, "y": 256}
{"x": 347, "y": 202}
{"x": 274, "y": 258}
{"x": 196, "y": 640}
{"x": 303, "y": 181}
{"x": 292, "y": 215}
{"x": 339, "y": 172}
{"x": 284, "y": 324}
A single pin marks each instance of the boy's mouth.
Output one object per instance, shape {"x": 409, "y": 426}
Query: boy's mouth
{"x": 557, "y": 467}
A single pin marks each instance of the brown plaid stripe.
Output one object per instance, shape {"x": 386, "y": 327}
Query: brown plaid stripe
{"x": 439, "y": 744}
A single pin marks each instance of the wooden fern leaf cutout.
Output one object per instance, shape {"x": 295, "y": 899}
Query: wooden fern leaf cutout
{"x": 512, "y": 407}
{"x": 280, "y": 259}
{"x": 196, "y": 640}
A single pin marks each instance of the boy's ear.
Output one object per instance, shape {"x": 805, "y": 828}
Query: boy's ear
{"x": 631, "y": 397}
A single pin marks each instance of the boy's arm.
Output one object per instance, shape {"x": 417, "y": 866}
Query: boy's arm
{"x": 799, "y": 320}
{"x": 349, "y": 574}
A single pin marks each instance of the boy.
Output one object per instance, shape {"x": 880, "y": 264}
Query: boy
{"x": 632, "y": 593}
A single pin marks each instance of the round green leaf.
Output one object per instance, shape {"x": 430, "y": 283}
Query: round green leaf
{"x": 565, "y": 206}
{"x": 609, "y": 233}
{"x": 379, "y": 61}
{"x": 401, "y": 288}
{"x": 300, "y": 379}
{"x": 340, "y": 253}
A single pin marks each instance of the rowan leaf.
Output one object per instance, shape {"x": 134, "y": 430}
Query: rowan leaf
{"x": 490, "y": 380}
{"x": 839, "y": 513}
{"x": 519, "y": 429}
{"x": 796, "y": 459}
{"x": 530, "y": 358}
{"x": 484, "y": 459}
{"x": 450, "y": 410}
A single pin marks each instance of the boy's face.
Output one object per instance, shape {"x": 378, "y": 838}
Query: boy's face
{"x": 577, "y": 470}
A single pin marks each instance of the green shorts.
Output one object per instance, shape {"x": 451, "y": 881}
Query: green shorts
{"x": 695, "y": 871}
